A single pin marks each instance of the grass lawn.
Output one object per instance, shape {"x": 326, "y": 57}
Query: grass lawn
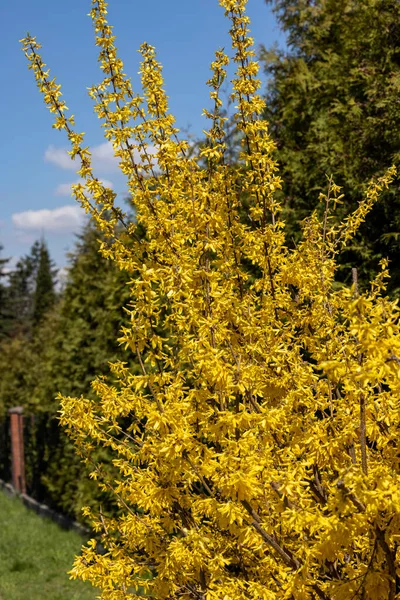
{"x": 35, "y": 555}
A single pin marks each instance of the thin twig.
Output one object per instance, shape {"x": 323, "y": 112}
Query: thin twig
{"x": 363, "y": 419}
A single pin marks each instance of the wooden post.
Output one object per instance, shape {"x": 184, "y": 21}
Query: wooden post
{"x": 17, "y": 449}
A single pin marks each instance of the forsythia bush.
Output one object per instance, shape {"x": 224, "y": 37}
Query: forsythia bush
{"x": 257, "y": 447}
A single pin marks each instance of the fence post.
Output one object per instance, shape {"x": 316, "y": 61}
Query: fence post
{"x": 17, "y": 448}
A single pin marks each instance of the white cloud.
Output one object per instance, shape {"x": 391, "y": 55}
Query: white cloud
{"x": 103, "y": 158}
{"x": 65, "y": 218}
{"x": 60, "y": 158}
{"x": 64, "y": 189}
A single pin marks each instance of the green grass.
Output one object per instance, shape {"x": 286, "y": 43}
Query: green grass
{"x": 35, "y": 555}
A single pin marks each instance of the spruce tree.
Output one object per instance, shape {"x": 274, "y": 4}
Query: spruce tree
{"x": 20, "y": 296}
{"x": 44, "y": 294}
{"x": 31, "y": 290}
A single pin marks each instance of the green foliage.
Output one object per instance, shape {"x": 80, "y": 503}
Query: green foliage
{"x": 70, "y": 342}
{"x": 80, "y": 335}
{"x": 333, "y": 104}
{"x": 18, "y": 369}
{"x": 28, "y": 296}
{"x": 31, "y": 290}
{"x": 19, "y": 296}
{"x": 78, "y": 340}
{"x": 44, "y": 293}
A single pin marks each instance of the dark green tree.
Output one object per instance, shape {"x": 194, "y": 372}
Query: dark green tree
{"x": 333, "y": 104}
{"x": 89, "y": 318}
{"x": 73, "y": 344}
{"x": 44, "y": 294}
{"x": 20, "y": 296}
{"x": 31, "y": 289}
{"x": 72, "y": 341}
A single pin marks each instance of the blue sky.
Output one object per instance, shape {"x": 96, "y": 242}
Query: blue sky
{"x": 34, "y": 188}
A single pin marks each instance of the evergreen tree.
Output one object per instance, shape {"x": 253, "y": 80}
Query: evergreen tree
{"x": 333, "y": 107}
{"x": 20, "y": 296}
{"x": 31, "y": 289}
{"x": 75, "y": 341}
{"x": 44, "y": 293}
{"x": 88, "y": 319}
{"x": 70, "y": 342}
{"x": 19, "y": 368}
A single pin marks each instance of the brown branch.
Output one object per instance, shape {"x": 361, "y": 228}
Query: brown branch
{"x": 363, "y": 435}
{"x": 390, "y": 559}
{"x": 288, "y": 503}
{"x": 357, "y": 503}
{"x": 363, "y": 419}
{"x": 284, "y": 554}
{"x": 317, "y": 487}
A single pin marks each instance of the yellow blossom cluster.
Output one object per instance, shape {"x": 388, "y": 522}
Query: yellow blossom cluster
{"x": 257, "y": 447}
